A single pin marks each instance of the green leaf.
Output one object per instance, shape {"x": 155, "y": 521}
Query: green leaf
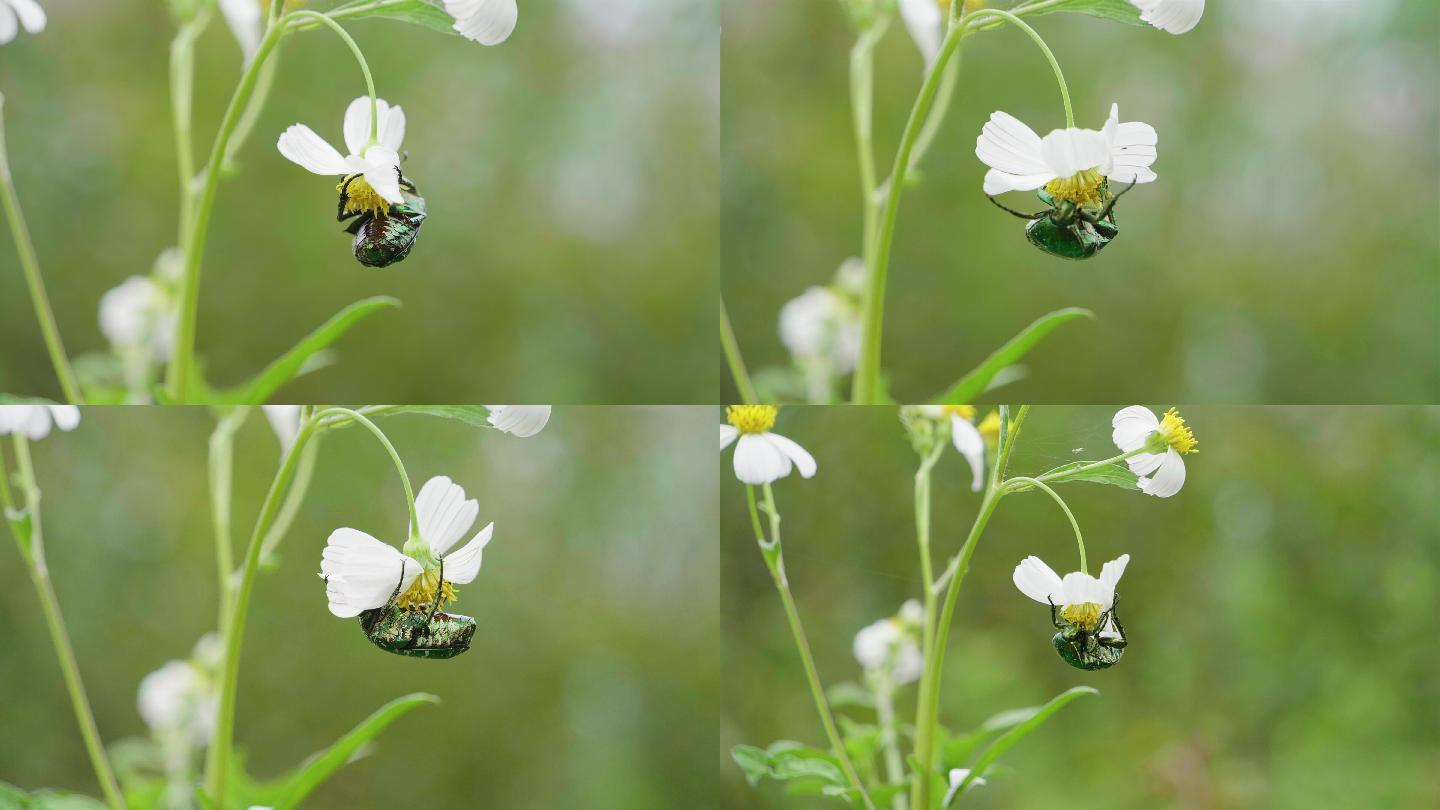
{"x": 849, "y": 693}
{"x": 1116, "y": 10}
{"x": 973, "y": 384}
{"x": 293, "y": 363}
{"x": 805, "y": 765}
{"x": 416, "y": 12}
{"x": 755, "y": 762}
{"x": 318, "y": 767}
{"x": 473, "y": 415}
{"x": 1116, "y": 475}
{"x": 1018, "y": 732}
{"x": 11, "y": 796}
{"x": 55, "y": 800}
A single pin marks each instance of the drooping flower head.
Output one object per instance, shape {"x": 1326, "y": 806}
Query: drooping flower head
{"x": 892, "y": 645}
{"x": 519, "y": 420}
{"x": 34, "y": 421}
{"x": 361, "y": 573}
{"x": 1174, "y": 16}
{"x": 1165, "y": 442}
{"x": 488, "y": 22}
{"x": 1081, "y": 598}
{"x": 761, "y": 456}
{"x": 370, "y": 173}
{"x": 1071, "y": 164}
{"x": 966, "y": 438}
{"x": 17, "y": 14}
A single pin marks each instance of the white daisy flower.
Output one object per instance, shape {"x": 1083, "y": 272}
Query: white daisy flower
{"x": 1069, "y": 163}
{"x": 761, "y": 456}
{"x": 1165, "y": 442}
{"x": 965, "y": 436}
{"x": 893, "y": 644}
{"x": 820, "y": 324}
{"x": 34, "y": 421}
{"x": 1081, "y": 598}
{"x": 139, "y": 315}
{"x": 488, "y": 22}
{"x": 1175, "y": 16}
{"x": 15, "y": 14}
{"x": 243, "y": 17}
{"x": 370, "y": 174}
{"x": 361, "y": 572}
{"x": 181, "y": 696}
{"x": 285, "y": 421}
{"x": 519, "y": 420}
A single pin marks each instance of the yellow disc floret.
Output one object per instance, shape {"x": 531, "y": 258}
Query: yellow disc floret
{"x": 361, "y": 197}
{"x": 966, "y": 412}
{"x": 989, "y": 427}
{"x": 421, "y": 593}
{"x": 1085, "y": 614}
{"x": 751, "y": 418}
{"x": 1081, "y": 188}
{"x": 1177, "y": 434}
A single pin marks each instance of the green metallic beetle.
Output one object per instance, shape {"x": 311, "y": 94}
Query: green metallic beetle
{"x": 1067, "y": 229}
{"x": 384, "y": 239}
{"x": 417, "y": 633}
{"x": 1089, "y": 649}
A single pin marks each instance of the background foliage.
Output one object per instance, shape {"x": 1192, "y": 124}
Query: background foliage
{"x": 1280, "y": 257}
{"x": 1280, "y": 608}
{"x": 570, "y": 255}
{"x": 594, "y": 666}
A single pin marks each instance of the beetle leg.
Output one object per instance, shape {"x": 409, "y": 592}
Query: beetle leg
{"x": 1054, "y": 615}
{"x": 1109, "y": 206}
{"x": 1120, "y": 642}
{"x": 1012, "y": 211}
{"x": 439, "y": 592}
{"x": 340, "y": 215}
{"x": 395, "y": 594}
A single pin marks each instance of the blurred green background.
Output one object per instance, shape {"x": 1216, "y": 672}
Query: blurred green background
{"x": 594, "y": 668}
{"x": 570, "y": 255}
{"x": 1286, "y": 254}
{"x": 1280, "y": 608}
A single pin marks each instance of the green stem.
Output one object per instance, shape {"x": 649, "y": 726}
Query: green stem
{"x": 359, "y": 57}
{"x": 55, "y": 622}
{"x": 1061, "y": 474}
{"x": 293, "y": 500}
{"x": 889, "y": 737}
{"x": 924, "y": 735}
{"x": 394, "y": 457}
{"x": 30, "y": 264}
{"x": 217, "y": 762}
{"x": 222, "y": 454}
{"x": 734, "y": 360}
{"x": 182, "y": 80}
{"x": 862, "y": 97}
{"x": 1079, "y": 539}
{"x": 1045, "y": 49}
{"x": 246, "y": 125}
{"x": 773, "y": 553}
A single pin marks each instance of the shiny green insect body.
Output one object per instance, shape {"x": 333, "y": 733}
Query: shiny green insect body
{"x": 1067, "y": 229}
{"x": 1089, "y": 649}
{"x": 417, "y": 633}
{"x": 383, "y": 240}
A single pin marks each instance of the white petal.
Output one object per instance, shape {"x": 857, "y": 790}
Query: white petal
{"x": 1038, "y": 581}
{"x": 444, "y": 513}
{"x": 1067, "y": 151}
{"x": 1078, "y": 589}
{"x": 1174, "y": 16}
{"x": 361, "y": 572}
{"x": 1167, "y": 479}
{"x": 243, "y": 17}
{"x": 1014, "y": 153}
{"x": 32, "y": 17}
{"x": 972, "y": 446}
{"x": 872, "y": 644}
{"x": 1110, "y": 575}
{"x": 1132, "y": 426}
{"x": 9, "y": 26}
{"x": 804, "y": 462}
{"x": 66, "y": 416}
{"x": 381, "y": 167}
{"x": 758, "y": 461}
{"x": 392, "y": 134}
{"x": 523, "y": 421}
{"x": 357, "y": 123}
{"x": 728, "y": 434}
{"x": 285, "y": 421}
{"x": 302, "y": 146}
{"x": 488, "y": 22}
{"x": 462, "y": 566}
{"x": 998, "y": 182}
{"x": 926, "y": 23}
{"x": 1132, "y": 149}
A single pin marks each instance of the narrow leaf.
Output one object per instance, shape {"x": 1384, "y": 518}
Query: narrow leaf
{"x": 1115, "y": 10}
{"x": 1016, "y": 734}
{"x": 293, "y": 362}
{"x": 1116, "y": 475}
{"x": 415, "y": 12}
{"x": 755, "y": 762}
{"x": 321, "y": 765}
{"x": 973, "y": 384}
{"x": 474, "y": 415}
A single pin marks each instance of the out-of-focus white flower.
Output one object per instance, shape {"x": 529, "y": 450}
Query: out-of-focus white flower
{"x": 34, "y": 421}
{"x": 488, "y": 22}
{"x": 957, "y": 778}
{"x": 1081, "y": 598}
{"x": 370, "y": 174}
{"x": 243, "y": 17}
{"x": 1070, "y": 163}
{"x": 821, "y": 324}
{"x": 361, "y": 572}
{"x": 893, "y": 645}
{"x": 925, "y": 20}
{"x": 964, "y": 435}
{"x": 139, "y": 315}
{"x": 15, "y": 14}
{"x": 1175, "y": 16}
{"x": 181, "y": 698}
{"x": 519, "y": 420}
{"x": 1165, "y": 441}
{"x": 285, "y": 421}
{"x": 761, "y": 456}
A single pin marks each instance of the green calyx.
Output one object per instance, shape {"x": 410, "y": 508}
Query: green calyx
{"x": 418, "y": 550}
{"x": 1156, "y": 443}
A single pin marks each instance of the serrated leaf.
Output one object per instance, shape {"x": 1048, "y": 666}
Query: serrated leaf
{"x": 973, "y": 384}
{"x": 1008, "y": 740}
{"x": 1114, "y": 475}
{"x": 292, "y": 363}
{"x": 1117, "y": 10}
{"x": 755, "y": 762}
{"x": 415, "y": 12}
{"x": 318, "y": 767}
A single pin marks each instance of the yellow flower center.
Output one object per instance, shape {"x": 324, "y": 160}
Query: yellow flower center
{"x": 1177, "y": 434}
{"x": 421, "y": 593}
{"x": 989, "y": 427}
{"x": 966, "y": 412}
{"x": 1085, "y": 614}
{"x": 751, "y": 418}
{"x": 361, "y": 197}
{"x": 1081, "y": 188}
